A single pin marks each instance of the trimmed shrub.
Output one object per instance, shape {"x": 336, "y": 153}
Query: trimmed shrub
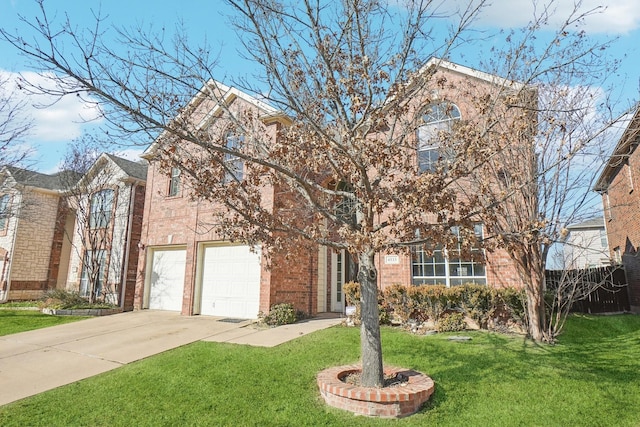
{"x": 352, "y": 297}
{"x": 61, "y": 299}
{"x": 451, "y": 322}
{"x": 280, "y": 314}
{"x": 479, "y": 303}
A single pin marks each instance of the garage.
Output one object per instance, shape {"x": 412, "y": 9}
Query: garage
{"x": 166, "y": 281}
{"x": 230, "y": 282}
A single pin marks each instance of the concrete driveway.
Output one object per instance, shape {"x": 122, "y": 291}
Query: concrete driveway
{"x": 36, "y": 361}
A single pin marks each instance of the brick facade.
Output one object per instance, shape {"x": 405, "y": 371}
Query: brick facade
{"x": 178, "y": 222}
{"x": 620, "y": 188}
{"x": 31, "y": 255}
{"x": 305, "y": 279}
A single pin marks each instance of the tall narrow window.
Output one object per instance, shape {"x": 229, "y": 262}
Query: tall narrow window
{"x": 93, "y": 270}
{"x": 174, "y": 182}
{"x": 607, "y": 207}
{"x": 101, "y": 207}
{"x": 438, "y": 118}
{"x": 234, "y": 165}
{"x": 4, "y": 211}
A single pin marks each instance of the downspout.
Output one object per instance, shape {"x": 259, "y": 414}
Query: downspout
{"x": 13, "y": 247}
{"x": 310, "y": 282}
{"x": 125, "y": 264}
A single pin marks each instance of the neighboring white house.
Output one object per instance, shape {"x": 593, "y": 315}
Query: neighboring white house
{"x": 107, "y": 205}
{"x": 586, "y": 245}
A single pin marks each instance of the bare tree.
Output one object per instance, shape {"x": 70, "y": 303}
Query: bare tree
{"x": 14, "y": 124}
{"x": 349, "y": 82}
{"x": 90, "y": 196}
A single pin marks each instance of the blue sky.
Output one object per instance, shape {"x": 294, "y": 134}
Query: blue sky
{"x": 59, "y": 124}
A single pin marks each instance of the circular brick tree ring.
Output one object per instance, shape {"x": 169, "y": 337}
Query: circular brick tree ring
{"x": 387, "y": 402}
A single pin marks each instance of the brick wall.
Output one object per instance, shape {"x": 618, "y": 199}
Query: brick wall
{"x": 621, "y": 204}
{"x": 132, "y": 261}
{"x": 31, "y": 260}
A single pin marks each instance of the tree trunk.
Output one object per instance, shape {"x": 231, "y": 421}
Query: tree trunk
{"x": 536, "y": 306}
{"x": 371, "y": 347}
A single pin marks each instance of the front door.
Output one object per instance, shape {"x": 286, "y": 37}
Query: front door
{"x": 343, "y": 270}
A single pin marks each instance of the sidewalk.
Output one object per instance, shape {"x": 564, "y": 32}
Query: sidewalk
{"x": 35, "y": 361}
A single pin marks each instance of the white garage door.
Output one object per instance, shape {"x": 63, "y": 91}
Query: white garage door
{"x": 167, "y": 279}
{"x": 230, "y": 282}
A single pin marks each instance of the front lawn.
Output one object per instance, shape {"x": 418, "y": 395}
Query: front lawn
{"x": 14, "y": 321}
{"x": 591, "y": 378}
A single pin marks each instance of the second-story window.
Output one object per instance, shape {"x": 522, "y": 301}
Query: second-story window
{"x": 4, "y": 211}
{"x": 101, "y": 208}
{"x": 234, "y": 164}
{"x": 438, "y": 118}
{"x": 174, "y": 182}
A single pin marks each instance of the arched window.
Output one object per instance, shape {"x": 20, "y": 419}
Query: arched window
{"x": 437, "y": 118}
{"x": 234, "y": 164}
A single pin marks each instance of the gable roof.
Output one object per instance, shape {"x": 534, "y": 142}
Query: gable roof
{"x": 54, "y": 182}
{"x": 136, "y": 170}
{"x": 133, "y": 170}
{"x": 623, "y": 150}
{"x": 439, "y": 63}
{"x": 227, "y": 95}
{"x": 597, "y": 222}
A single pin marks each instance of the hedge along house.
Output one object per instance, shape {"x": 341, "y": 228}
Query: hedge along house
{"x": 189, "y": 268}
{"x": 105, "y": 209}
{"x": 34, "y": 255}
{"x": 617, "y": 184}
{"x": 185, "y": 264}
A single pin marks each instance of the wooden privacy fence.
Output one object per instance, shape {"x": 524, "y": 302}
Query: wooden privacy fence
{"x": 611, "y": 292}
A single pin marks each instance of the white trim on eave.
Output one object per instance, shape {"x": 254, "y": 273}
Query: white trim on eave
{"x": 228, "y": 95}
{"x": 470, "y": 72}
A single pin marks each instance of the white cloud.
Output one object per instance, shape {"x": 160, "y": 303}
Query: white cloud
{"x": 613, "y": 16}
{"x": 52, "y": 121}
{"x": 132, "y": 154}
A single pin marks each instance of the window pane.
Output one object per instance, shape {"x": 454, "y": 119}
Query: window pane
{"x": 174, "y": 182}
{"x": 233, "y": 163}
{"x": 458, "y": 268}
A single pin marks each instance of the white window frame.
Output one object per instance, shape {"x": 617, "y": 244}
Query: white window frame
{"x": 442, "y": 263}
{"x": 438, "y": 117}
{"x": 5, "y": 199}
{"x": 174, "y": 182}
{"x": 234, "y": 164}
{"x": 101, "y": 208}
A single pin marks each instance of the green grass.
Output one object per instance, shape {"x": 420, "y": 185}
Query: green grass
{"x": 19, "y": 304}
{"x": 590, "y": 378}
{"x": 14, "y": 321}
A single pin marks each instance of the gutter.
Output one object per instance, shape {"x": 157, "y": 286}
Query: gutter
{"x": 125, "y": 264}
{"x": 13, "y": 248}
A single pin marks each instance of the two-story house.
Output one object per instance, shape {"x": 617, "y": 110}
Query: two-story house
{"x": 34, "y": 254}
{"x": 586, "y": 245}
{"x": 187, "y": 267}
{"x": 105, "y": 207}
{"x": 69, "y": 231}
{"x": 621, "y": 200}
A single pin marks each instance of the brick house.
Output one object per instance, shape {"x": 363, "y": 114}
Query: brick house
{"x": 186, "y": 267}
{"x": 105, "y": 228}
{"x": 621, "y": 201}
{"x": 34, "y": 254}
